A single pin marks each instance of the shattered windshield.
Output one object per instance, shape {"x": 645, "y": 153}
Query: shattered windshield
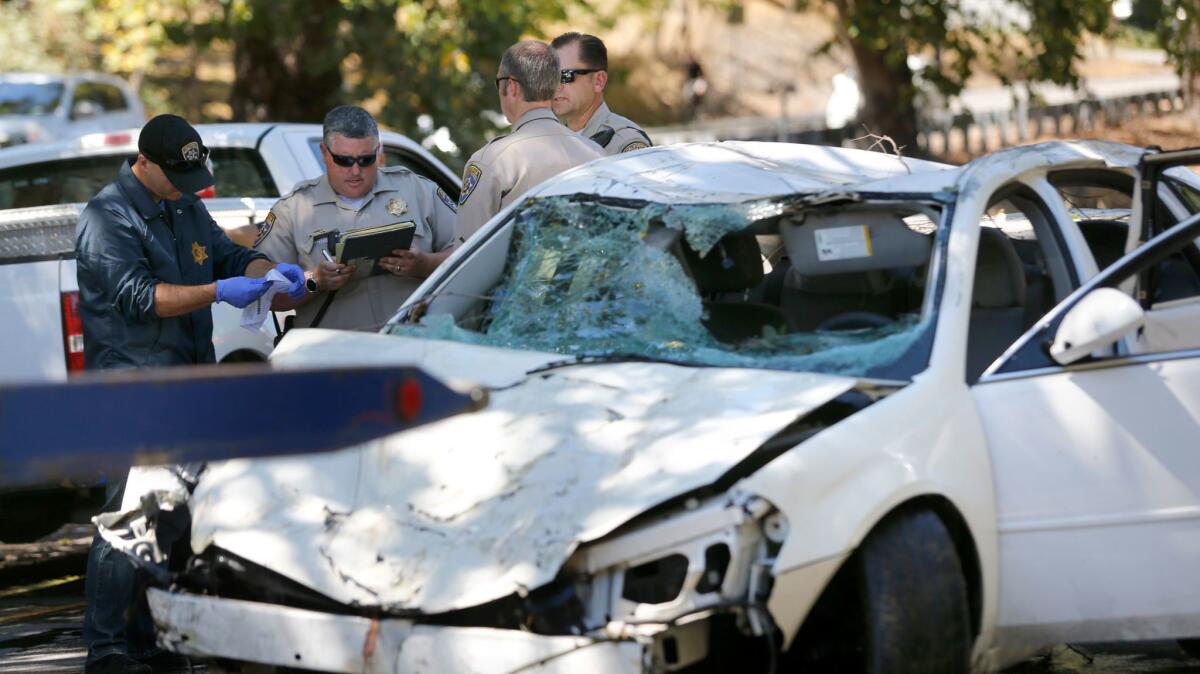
{"x": 743, "y": 285}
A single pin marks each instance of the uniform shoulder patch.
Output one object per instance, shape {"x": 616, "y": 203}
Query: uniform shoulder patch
{"x": 471, "y": 178}
{"x": 264, "y": 228}
{"x": 635, "y": 145}
{"x": 300, "y": 187}
{"x": 441, "y": 194}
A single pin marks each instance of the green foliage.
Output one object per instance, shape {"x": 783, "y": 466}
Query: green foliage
{"x": 1133, "y": 37}
{"x": 1147, "y": 14}
{"x": 1021, "y": 41}
{"x": 1027, "y": 40}
{"x": 438, "y": 58}
{"x": 292, "y": 60}
{"x": 43, "y": 36}
{"x": 1179, "y": 32}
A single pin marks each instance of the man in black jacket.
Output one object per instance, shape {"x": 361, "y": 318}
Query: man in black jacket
{"x": 151, "y": 261}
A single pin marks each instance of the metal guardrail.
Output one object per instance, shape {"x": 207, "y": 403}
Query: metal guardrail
{"x": 945, "y": 133}
{"x": 981, "y": 133}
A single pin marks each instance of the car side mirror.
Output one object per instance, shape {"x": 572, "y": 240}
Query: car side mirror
{"x": 84, "y": 109}
{"x": 1102, "y": 317}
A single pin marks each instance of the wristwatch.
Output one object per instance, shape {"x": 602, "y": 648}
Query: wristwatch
{"x": 310, "y": 282}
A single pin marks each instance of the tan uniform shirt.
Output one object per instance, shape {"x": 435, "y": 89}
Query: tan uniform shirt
{"x": 287, "y": 235}
{"x": 614, "y": 133}
{"x": 539, "y": 147}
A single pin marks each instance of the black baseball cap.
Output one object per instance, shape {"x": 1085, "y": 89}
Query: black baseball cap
{"x": 173, "y": 144}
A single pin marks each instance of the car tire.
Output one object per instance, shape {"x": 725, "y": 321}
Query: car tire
{"x": 898, "y": 606}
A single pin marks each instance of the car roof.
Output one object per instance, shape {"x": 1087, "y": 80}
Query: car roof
{"x": 731, "y": 172}
{"x": 233, "y": 134}
{"x": 32, "y": 78}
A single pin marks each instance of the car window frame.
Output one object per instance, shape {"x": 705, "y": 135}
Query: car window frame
{"x": 1029, "y": 355}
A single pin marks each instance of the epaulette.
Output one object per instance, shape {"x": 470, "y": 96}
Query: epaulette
{"x": 603, "y": 137}
{"x": 301, "y": 186}
{"x": 395, "y": 169}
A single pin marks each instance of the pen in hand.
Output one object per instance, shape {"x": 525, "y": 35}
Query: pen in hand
{"x": 330, "y": 259}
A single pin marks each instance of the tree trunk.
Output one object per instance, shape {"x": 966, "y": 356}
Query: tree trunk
{"x": 888, "y": 96}
{"x": 287, "y": 78}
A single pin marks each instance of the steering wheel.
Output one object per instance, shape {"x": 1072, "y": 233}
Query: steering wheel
{"x": 855, "y": 320}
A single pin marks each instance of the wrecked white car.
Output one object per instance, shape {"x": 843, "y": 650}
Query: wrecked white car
{"x": 752, "y": 407}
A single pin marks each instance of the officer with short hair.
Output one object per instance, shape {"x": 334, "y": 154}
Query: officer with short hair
{"x": 150, "y": 261}
{"x": 579, "y": 102}
{"x": 537, "y": 148}
{"x": 356, "y": 192}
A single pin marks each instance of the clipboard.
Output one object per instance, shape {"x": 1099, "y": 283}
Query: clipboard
{"x": 362, "y": 248}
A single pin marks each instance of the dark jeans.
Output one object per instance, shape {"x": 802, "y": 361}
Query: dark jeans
{"x": 117, "y": 618}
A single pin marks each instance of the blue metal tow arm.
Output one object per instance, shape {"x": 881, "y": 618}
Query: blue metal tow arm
{"x": 103, "y": 423}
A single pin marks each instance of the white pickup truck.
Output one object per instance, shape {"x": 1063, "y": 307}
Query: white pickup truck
{"x": 44, "y": 187}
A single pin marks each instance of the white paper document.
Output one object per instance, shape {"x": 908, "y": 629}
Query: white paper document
{"x": 256, "y": 312}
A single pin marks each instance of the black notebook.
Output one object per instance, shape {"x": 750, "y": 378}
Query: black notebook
{"x": 363, "y": 247}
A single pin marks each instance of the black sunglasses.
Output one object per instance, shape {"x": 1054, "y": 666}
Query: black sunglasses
{"x": 184, "y": 164}
{"x": 506, "y": 77}
{"x": 568, "y": 76}
{"x": 348, "y": 160}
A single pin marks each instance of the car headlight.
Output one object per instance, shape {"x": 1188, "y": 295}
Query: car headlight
{"x": 709, "y": 556}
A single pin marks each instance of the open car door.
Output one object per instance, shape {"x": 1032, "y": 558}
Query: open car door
{"x": 1092, "y": 420}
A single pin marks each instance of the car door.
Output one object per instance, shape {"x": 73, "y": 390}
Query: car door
{"x": 97, "y": 106}
{"x": 1096, "y": 462}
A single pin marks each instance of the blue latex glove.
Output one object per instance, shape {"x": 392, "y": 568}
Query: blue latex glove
{"x": 294, "y": 274}
{"x": 241, "y": 290}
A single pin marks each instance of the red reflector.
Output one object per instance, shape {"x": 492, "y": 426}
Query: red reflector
{"x": 209, "y": 192}
{"x": 72, "y": 327}
{"x": 408, "y": 400}
{"x": 118, "y": 139}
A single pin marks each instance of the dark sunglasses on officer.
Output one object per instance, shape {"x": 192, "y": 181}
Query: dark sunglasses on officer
{"x": 568, "y": 75}
{"x": 348, "y": 160}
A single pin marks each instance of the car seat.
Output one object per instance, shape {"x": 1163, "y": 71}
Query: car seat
{"x": 997, "y": 301}
{"x": 734, "y": 265}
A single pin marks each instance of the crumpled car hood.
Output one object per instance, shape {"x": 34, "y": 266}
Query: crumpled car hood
{"x": 479, "y": 506}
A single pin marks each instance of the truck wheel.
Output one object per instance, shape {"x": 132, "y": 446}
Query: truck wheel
{"x": 898, "y": 606}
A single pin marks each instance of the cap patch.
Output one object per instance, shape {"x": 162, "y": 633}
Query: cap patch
{"x": 190, "y": 151}
{"x": 470, "y": 181}
{"x": 441, "y": 194}
{"x": 264, "y": 228}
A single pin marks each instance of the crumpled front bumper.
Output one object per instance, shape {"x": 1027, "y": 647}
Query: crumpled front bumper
{"x": 290, "y": 637}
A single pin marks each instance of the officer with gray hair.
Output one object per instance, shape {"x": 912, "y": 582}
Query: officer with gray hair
{"x": 355, "y": 193}
{"x": 537, "y": 148}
